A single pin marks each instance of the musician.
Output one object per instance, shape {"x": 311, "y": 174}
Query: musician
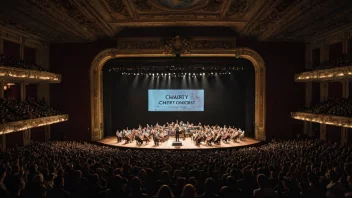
{"x": 117, "y": 136}
{"x": 177, "y": 129}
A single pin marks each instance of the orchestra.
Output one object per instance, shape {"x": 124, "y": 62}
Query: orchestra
{"x": 198, "y": 133}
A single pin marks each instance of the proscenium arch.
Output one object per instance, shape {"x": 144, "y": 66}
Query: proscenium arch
{"x": 96, "y": 83}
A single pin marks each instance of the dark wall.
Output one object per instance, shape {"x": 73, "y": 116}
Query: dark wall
{"x": 11, "y": 49}
{"x": 283, "y": 95}
{"x": 72, "y": 95}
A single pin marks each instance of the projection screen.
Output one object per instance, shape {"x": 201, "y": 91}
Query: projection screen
{"x": 175, "y": 100}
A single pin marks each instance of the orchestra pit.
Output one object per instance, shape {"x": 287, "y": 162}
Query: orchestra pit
{"x": 175, "y": 98}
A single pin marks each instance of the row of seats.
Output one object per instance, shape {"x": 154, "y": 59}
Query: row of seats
{"x": 14, "y": 62}
{"x": 14, "y": 110}
{"x": 294, "y": 168}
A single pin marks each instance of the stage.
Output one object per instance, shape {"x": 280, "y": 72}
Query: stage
{"x": 186, "y": 144}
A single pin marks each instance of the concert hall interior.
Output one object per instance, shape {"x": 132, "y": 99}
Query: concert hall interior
{"x": 175, "y": 98}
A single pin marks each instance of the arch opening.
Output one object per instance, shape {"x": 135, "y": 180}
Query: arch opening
{"x": 96, "y": 82}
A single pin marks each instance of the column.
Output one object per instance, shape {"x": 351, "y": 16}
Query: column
{"x": 307, "y": 126}
{"x": 324, "y": 88}
{"x": 22, "y": 40}
{"x": 324, "y": 56}
{"x": 43, "y": 90}
{"x": 345, "y": 43}
{"x": 3, "y": 136}
{"x": 1, "y": 46}
{"x": 26, "y": 133}
{"x": 47, "y": 132}
{"x": 2, "y": 84}
{"x": 345, "y": 94}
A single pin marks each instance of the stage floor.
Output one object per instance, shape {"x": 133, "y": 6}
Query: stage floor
{"x": 186, "y": 144}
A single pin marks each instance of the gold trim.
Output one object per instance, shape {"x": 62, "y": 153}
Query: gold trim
{"x": 332, "y": 74}
{"x": 323, "y": 119}
{"x": 11, "y": 74}
{"x": 21, "y": 125}
{"x": 96, "y": 82}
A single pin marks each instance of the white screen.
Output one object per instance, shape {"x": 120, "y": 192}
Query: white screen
{"x": 175, "y": 100}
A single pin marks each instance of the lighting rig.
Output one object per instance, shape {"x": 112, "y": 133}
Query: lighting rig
{"x": 176, "y": 71}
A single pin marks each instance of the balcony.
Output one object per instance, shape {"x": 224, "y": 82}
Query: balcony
{"x": 32, "y": 123}
{"x": 323, "y": 119}
{"x": 19, "y": 75}
{"x": 332, "y": 74}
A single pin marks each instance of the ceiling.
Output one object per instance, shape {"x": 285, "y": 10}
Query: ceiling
{"x": 89, "y": 20}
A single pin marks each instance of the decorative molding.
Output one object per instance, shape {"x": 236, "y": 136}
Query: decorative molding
{"x": 12, "y": 74}
{"x": 213, "y": 6}
{"x": 12, "y": 127}
{"x": 238, "y": 8}
{"x": 118, "y": 7}
{"x": 323, "y": 119}
{"x": 332, "y": 74}
{"x": 96, "y": 81}
{"x": 176, "y": 45}
{"x": 143, "y": 5}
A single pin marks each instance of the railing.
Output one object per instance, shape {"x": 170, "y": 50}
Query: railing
{"x": 323, "y": 119}
{"x": 31, "y": 123}
{"x": 12, "y": 74}
{"x": 332, "y": 74}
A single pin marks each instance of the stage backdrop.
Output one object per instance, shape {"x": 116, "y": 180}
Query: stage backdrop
{"x": 228, "y": 99}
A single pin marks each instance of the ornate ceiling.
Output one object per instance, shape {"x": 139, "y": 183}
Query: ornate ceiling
{"x": 88, "y": 20}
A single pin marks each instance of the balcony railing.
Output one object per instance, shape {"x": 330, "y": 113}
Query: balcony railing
{"x": 332, "y": 74}
{"x": 31, "y": 123}
{"x": 11, "y": 74}
{"x": 323, "y": 119}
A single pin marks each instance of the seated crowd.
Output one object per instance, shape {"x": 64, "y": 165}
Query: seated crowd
{"x": 341, "y": 61}
{"x": 295, "y": 168}
{"x": 333, "y": 106}
{"x": 14, "y": 62}
{"x": 14, "y": 110}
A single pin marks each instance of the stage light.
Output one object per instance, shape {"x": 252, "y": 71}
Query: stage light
{"x": 189, "y": 74}
{"x": 153, "y": 74}
{"x": 137, "y": 74}
{"x": 169, "y": 74}
{"x": 212, "y": 73}
{"x": 203, "y": 74}
{"x": 157, "y": 74}
{"x": 229, "y": 72}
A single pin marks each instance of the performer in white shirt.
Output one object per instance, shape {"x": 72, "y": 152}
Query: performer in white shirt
{"x": 118, "y": 136}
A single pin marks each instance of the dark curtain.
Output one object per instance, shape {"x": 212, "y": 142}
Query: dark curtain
{"x": 11, "y": 49}
{"x": 335, "y": 50}
{"x": 30, "y": 55}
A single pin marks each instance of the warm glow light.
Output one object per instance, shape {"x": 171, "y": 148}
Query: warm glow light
{"x": 32, "y": 123}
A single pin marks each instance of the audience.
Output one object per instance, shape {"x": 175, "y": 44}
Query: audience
{"x": 341, "y": 61}
{"x": 333, "y": 106}
{"x": 13, "y": 110}
{"x": 14, "y": 62}
{"x": 295, "y": 168}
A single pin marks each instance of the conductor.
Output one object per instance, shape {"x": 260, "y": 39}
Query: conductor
{"x": 177, "y": 133}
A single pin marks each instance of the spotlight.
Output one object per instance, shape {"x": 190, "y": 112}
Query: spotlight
{"x": 153, "y": 74}
{"x": 169, "y": 74}
{"x": 212, "y": 73}
{"x": 137, "y": 74}
{"x": 157, "y": 74}
{"x": 203, "y": 74}
{"x": 189, "y": 74}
